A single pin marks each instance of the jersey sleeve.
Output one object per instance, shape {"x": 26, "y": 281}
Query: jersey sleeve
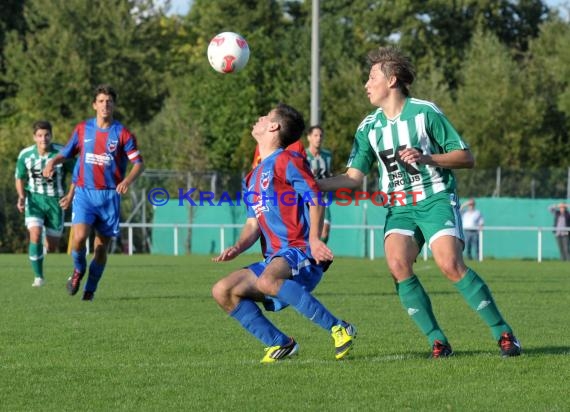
{"x": 69, "y": 164}
{"x": 131, "y": 148}
{"x": 21, "y": 172}
{"x": 442, "y": 131}
{"x": 71, "y": 148}
{"x": 362, "y": 155}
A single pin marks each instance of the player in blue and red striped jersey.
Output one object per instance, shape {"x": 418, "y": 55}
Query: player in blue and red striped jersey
{"x": 283, "y": 209}
{"x": 104, "y": 148}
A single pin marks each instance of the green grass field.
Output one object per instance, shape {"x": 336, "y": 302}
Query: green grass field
{"x": 154, "y": 339}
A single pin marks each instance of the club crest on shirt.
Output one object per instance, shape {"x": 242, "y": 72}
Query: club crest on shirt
{"x": 265, "y": 179}
{"x": 112, "y": 145}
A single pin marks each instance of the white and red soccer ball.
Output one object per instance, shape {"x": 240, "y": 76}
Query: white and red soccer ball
{"x": 228, "y": 52}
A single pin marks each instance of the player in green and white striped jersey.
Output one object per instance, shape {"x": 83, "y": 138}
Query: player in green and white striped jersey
{"x": 320, "y": 160}
{"x": 416, "y": 148}
{"x": 43, "y": 200}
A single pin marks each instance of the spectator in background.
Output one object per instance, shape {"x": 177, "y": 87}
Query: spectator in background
{"x": 561, "y": 225}
{"x": 321, "y": 165}
{"x": 472, "y": 220}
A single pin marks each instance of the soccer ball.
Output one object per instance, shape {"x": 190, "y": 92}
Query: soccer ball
{"x": 228, "y": 52}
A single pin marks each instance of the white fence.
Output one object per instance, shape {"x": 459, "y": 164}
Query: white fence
{"x": 372, "y": 232}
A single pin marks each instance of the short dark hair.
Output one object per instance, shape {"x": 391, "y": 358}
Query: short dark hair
{"x": 42, "y": 124}
{"x": 291, "y": 124}
{"x": 104, "y": 89}
{"x": 315, "y": 127}
{"x": 393, "y": 62}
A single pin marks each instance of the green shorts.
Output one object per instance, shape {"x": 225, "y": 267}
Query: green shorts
{"x": 42, "y": 210}
{"x": 428, "y": 219}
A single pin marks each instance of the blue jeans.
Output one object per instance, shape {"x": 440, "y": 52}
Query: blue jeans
{"x": 472, "y": 243}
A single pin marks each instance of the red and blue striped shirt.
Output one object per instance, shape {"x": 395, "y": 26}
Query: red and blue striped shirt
{"x": 103, "y": 154}
{"x": 276, "y": 193}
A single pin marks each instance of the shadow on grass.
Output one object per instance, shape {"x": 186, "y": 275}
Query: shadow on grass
{"x": 545, "y": 350}
{"x": 486, "y": 353}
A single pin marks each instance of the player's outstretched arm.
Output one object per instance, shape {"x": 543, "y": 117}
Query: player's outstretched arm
{"x": 351, "y": 179}
{"x": 248, "y": 236}
{"x": 50, "y": 165}
{"x": 456, "y": 159}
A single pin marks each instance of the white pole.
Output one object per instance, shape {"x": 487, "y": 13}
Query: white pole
{"x": 222, "y": 239}
{"x": 568, "y": 185}
{"x": 315, "y": 95}
{"x": 539, "y": 258}
{"x": 144, "y": 236}
{"x": 130, "y": 231}
{"x": 498, "y": 182}
{"x": 371, "y": 244}
{"x": 480, "y": 245}
{"x": 175, "y": 240}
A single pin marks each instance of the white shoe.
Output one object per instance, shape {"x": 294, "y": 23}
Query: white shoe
{"x": 38, "y": 282}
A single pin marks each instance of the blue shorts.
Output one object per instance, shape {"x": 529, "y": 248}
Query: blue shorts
{"x": 304, "y": 270}
{"x": 97, "y": 208}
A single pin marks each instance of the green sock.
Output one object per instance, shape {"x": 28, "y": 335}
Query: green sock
{"x": 36, "y": 255}
{"x": 479, "y": 298}
{"x": 418, "y": 305}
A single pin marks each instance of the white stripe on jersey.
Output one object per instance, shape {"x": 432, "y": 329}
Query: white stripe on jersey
{"x": 388, "y": 144}
{"x": 437, "y": 110}
{"x": 368, "y": 119}
{"x": 25, "y": 151}
{"x": 132, "y": 155}
{"x": 426, "y": 103}
{"x": 403, "y": 140}
{"x": 33, "y": 164}
{"x": 436, "y": 178}
{"x": 424, "y": 146}
{"x": 420, "y": 120}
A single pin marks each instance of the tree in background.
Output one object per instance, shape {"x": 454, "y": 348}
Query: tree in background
{"x": 11, "y": 19}
{"x": 548, "y": 71}
{"x": 222, "y": 108}
{"x": 67, "y": 48}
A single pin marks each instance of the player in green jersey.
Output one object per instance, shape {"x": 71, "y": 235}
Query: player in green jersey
{"x": 416, "y": 148}
{"x": 320, "y": 160}
{"x": 43, "y": 200}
